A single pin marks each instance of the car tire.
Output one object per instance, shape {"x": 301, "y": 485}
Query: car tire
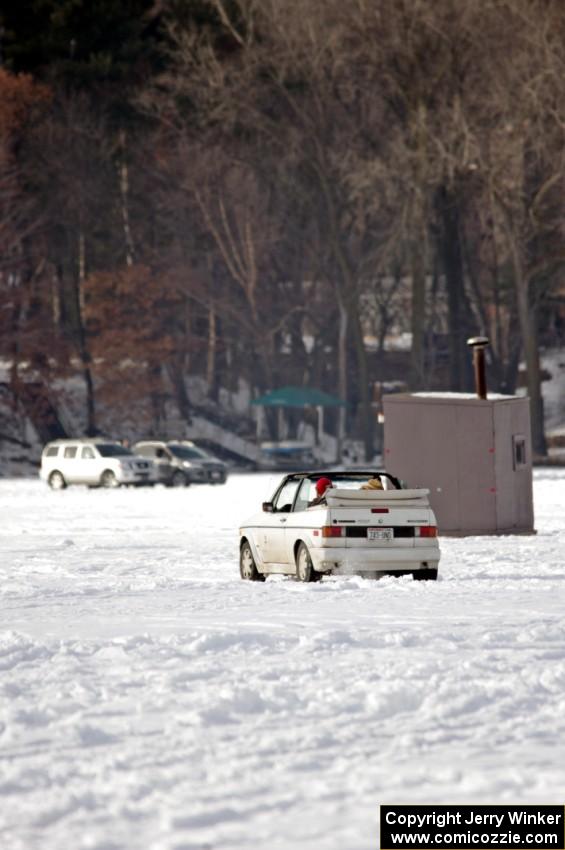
{"x": 304, "y": 567}
{"x": 428, "y": 574}
{"x": 179, "y": 479}
{"x": 247, "y": 566}
{"x": 108, "y": 479}
{"x": 57, "y": 481}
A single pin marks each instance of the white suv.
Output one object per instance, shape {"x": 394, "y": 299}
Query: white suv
{"x": 95, "y": 462}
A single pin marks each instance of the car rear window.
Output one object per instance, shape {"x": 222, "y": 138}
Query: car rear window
{"x": 354, "y": 482}
{"x": 70, "y": 451}
{"x": 145, "y": 451}
{"x": 112, "y": 450}
{"x": 52, "y": 451}
{"x": 187, "y": 452}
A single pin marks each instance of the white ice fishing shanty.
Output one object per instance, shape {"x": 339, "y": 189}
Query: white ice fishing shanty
{"x": 366, "y": 532}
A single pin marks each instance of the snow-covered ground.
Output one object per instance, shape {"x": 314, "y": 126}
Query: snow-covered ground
{"x": 151, "y": 700}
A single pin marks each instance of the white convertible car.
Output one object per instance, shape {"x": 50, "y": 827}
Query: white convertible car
{"x": 358, "y": 531}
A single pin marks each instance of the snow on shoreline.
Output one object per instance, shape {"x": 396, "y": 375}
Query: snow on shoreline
{"x": 150, "y": 700}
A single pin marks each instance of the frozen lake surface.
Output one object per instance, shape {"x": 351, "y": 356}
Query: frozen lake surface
{"x": 151, "y": 700}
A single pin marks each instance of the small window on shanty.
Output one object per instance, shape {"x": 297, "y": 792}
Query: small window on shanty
{"x": 519, "y": 451}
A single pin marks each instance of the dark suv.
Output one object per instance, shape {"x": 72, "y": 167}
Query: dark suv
{"x": 179, "y": 463}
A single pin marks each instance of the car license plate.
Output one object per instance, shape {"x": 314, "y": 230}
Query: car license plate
{"x": 379, "y": 534}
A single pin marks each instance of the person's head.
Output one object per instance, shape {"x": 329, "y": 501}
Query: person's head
{"x": 322, "y": 485}
{"x": 373, "y": 484}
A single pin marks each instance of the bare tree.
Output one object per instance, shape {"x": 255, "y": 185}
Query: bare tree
{"x": 77, "y": 192}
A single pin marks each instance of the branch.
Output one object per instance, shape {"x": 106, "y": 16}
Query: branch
{"x": 224, "y": 17}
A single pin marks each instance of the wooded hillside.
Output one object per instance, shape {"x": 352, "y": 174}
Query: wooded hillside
{"x": 266, "y": 190}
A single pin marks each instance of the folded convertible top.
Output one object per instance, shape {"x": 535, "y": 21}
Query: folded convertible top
{"x": 364, "y": 498}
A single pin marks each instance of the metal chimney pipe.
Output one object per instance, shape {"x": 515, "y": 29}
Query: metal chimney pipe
{"x": 478, "y": 344}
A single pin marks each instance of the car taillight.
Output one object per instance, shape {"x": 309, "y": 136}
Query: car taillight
{"x": 426, "y": 531}
{"x": 332, "y": 531}
{"x": 379, "y": 510}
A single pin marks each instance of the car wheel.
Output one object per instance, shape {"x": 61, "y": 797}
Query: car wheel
{"x": 247, "y": 566}
{"x": 179, "y": 479}
{"x": 304, "y": 567}
{"x": 56, "y": 481}
{"x": 109, "y": 479}
{"x": 429, "y": 574}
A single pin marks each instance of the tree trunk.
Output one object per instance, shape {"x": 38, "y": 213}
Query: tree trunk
{"x": 123, "y": 173}
{"x": 76, "y": 280}
{"x": 459, "y": 309}
{"x": 91, "y": 428}
{"x": 175, "y": 371}
{"x": 510, "y": 374}
{"x": 367, "y": 424}
{"x": 211, "y": 354}
{"x": 527, "y": 316}
{"x": 342, "y": 376}
{"x": 156, "y": 396}
{"x": 418, "y": 322}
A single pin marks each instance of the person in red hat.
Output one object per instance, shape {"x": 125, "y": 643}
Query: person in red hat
{"x": 322, "y": 485}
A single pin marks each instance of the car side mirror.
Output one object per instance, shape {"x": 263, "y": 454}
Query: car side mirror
{"x": 268, "y": 507}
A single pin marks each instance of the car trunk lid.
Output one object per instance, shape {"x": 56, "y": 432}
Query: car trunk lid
{"x": 391, "y": 518}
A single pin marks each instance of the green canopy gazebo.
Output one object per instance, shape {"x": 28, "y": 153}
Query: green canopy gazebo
{"x": 296, "y": 397}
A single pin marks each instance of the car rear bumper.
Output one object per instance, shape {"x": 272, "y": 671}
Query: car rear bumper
{"x": 130, "y": 477}
{"x": 196, "y": 475}
{"x": 207, "y": 475}
{"x": 362, "y": 560}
